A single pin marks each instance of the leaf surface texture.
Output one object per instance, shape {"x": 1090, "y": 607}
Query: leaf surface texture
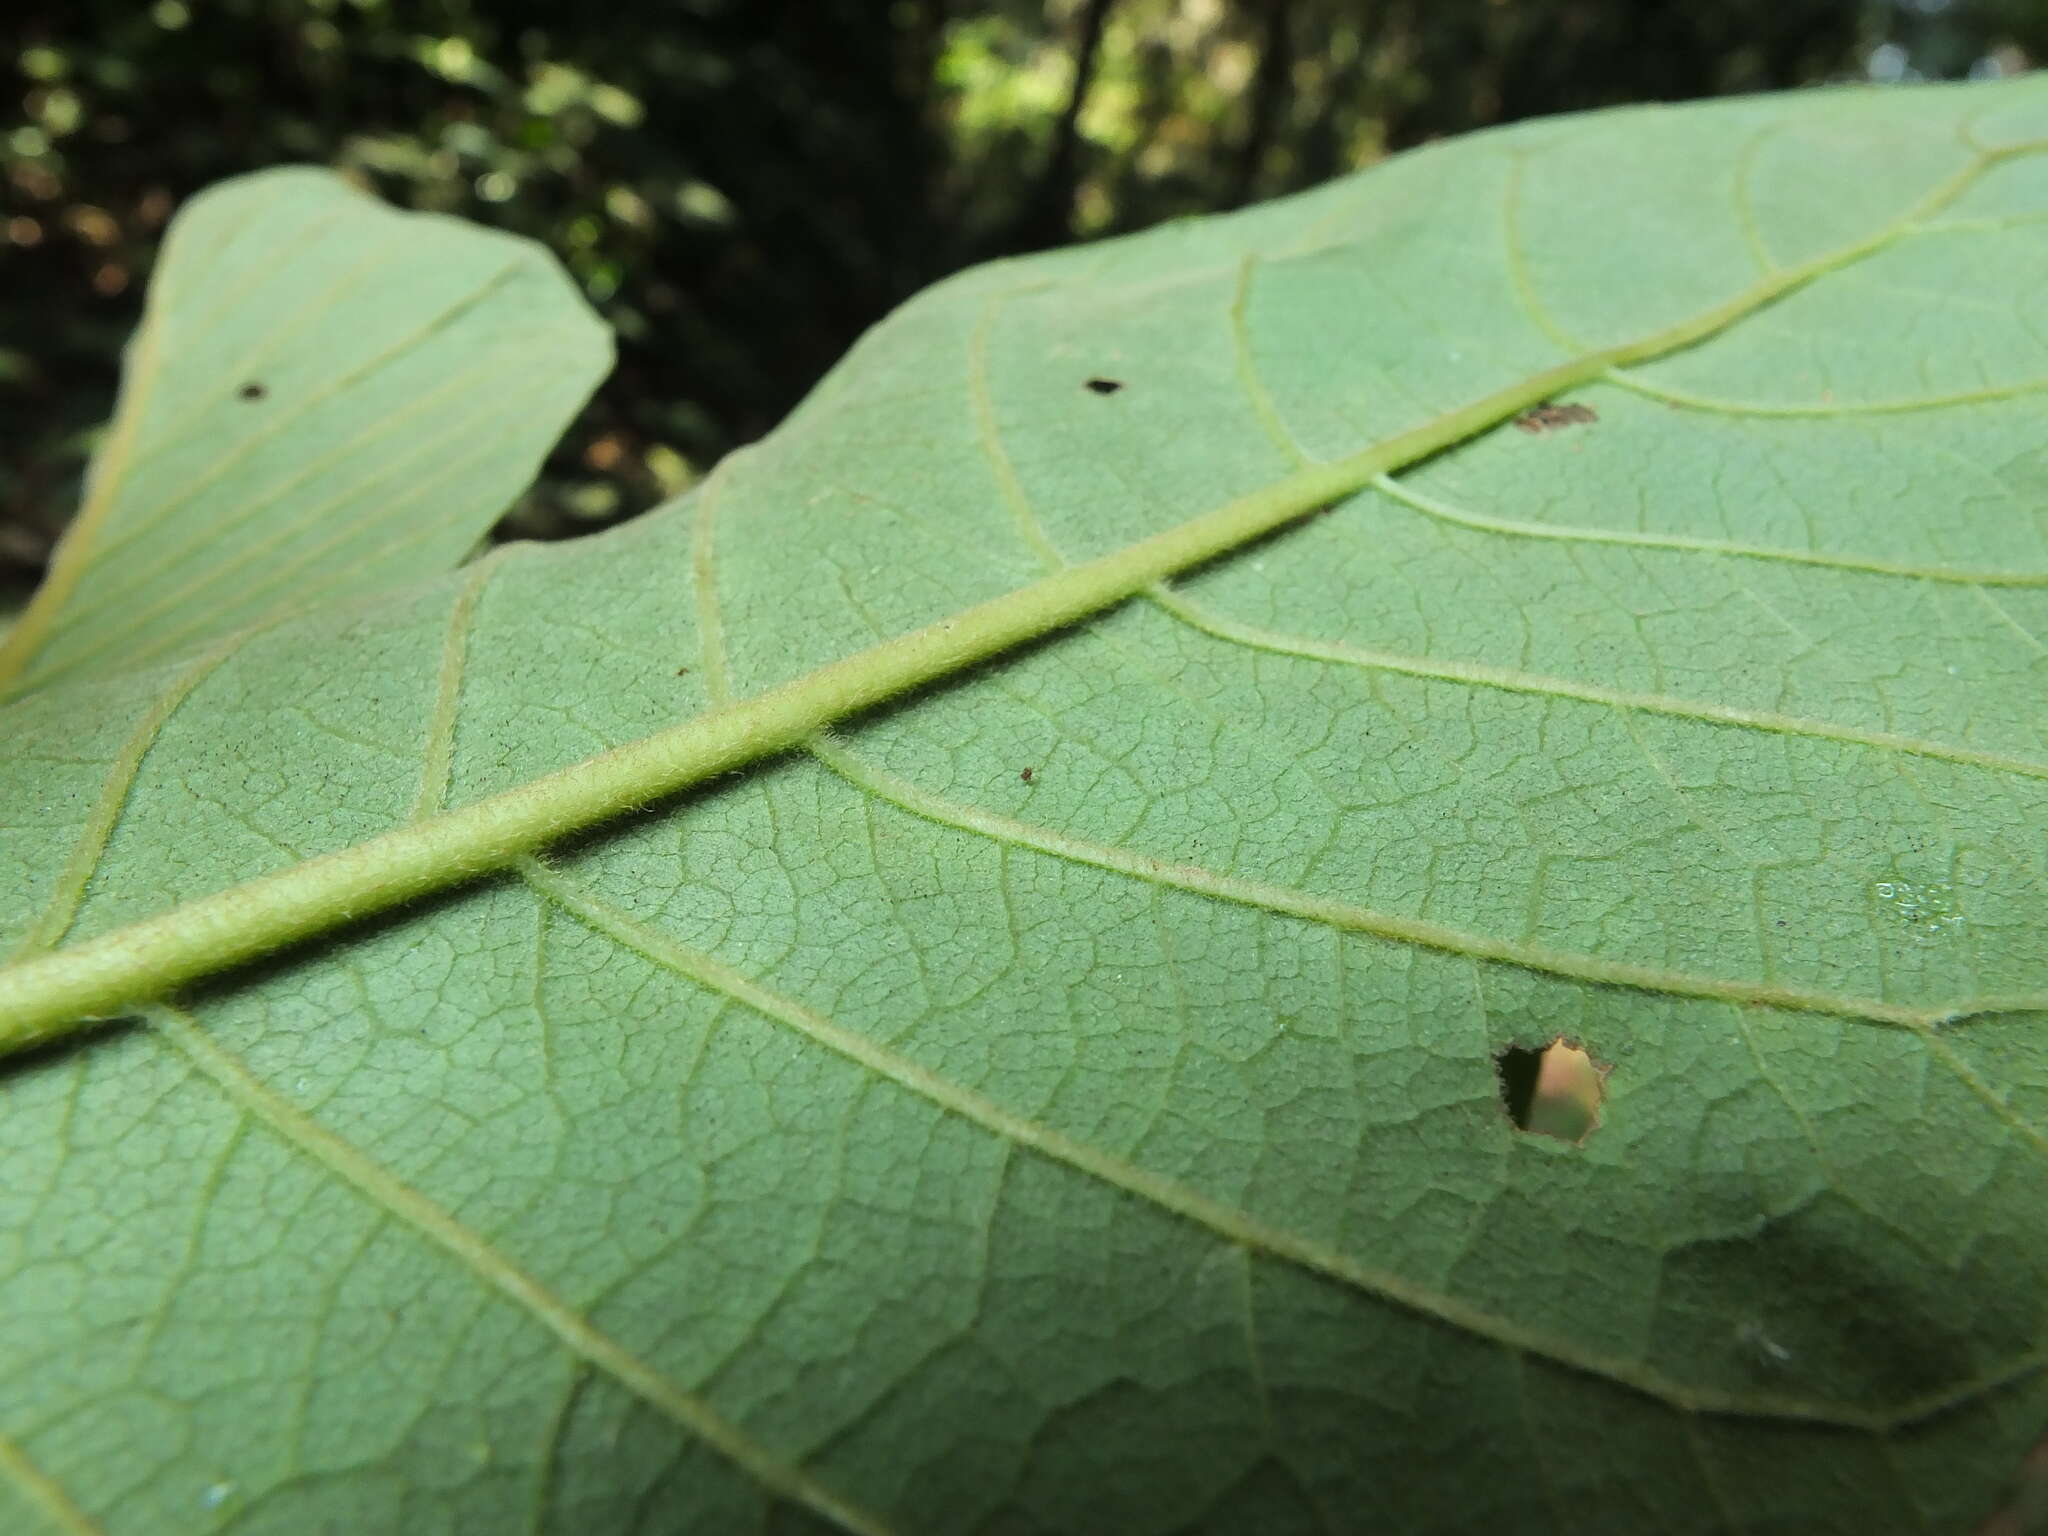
{"x": 881, "y": 1136}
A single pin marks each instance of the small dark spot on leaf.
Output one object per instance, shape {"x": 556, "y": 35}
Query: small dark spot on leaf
{"x": 1105, "y": 386}
{"x": 252, "y": 391}
{"x": 1025, "y": 775}
{"x": 1548, "y": 418}
{"x": 1555, "y": 1091}
{"x": 682, "y": 671}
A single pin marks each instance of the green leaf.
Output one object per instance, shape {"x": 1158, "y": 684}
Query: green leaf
{"x": 758, "y": 1100}
{"x": 326, "y": 397}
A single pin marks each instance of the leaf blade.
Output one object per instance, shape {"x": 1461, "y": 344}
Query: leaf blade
{"x": 946, "y": 1136}
{"x": 286, "y": 417}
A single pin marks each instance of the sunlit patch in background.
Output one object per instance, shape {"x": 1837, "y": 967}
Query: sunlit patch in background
{"x": 1555, "y": 1091}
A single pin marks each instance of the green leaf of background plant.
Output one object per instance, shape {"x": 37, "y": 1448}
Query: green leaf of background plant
{"x": 876, "y": 1135}
{"x": 325, "y": 397}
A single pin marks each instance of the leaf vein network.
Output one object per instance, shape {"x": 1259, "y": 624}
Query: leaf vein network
{"x": 385, "y": 1191}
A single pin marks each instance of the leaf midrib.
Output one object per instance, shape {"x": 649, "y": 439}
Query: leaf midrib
{"x": 56, "y": 995}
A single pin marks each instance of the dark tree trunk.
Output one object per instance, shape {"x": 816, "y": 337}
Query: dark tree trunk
{"x": 1046, "y": 217}
{"x": 1271, "y": 87}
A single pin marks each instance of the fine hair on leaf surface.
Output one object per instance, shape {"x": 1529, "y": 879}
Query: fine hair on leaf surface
{"x": 960, "y": 975}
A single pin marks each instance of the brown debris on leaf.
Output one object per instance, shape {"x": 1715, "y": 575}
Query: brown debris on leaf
{"x": 1548, "y": 418}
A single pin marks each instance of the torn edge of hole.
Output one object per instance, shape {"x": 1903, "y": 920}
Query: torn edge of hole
{"x": 1555, "y": 1090}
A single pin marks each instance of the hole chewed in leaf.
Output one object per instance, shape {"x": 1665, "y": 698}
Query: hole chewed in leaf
{"x": 1105, "y": 386}
{"x": 1555, "y": 1091}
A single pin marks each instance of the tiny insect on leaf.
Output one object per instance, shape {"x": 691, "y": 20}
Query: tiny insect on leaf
{"x": 1548, "y": 418}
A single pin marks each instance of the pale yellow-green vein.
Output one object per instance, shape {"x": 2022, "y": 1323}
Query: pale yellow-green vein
{"x": 711, "y": 657}
{"x": 356, "y": 448}
{"x": 1660, "y": 770}
{"x": 231, "y": 288}
{"x": 276, "y": 337}
{"x": 437, "y": 759}
{"x": 1221, "y": 1219}
{"x": 1623, "y": 378}
{"x": 2004, "y": 616}
{"x": 184, "y": 281}
{"x": 1745, "y": 208}
{"x": 1519, "y": 278}
{"x": 1230, "y": 1223}
{"x": 1352, "y": 918}
{"x": 44, "y": 1492}
{"x": 1970, "y": 223}
{"x": 55, "y": 994}
{"x": 86, "y": 540}
{"x": 988, "y": 433}
{"x": 1817, "y": 1149}
{"x": 1249, "y": 377}
{"x": 276, "y": 422}
{"x": 345, "y": 531}
{"x": 309, "y": 575}
{"x": 548, "y": 1464}
{"x": 78, "y": 548}
{"x": 1680, "y": 543}
{"x": 1989, "y": 1096}
{"x": 1509, "y": 680}
{"x": 61, "y": 910}
{"x": 483, "y": 1261}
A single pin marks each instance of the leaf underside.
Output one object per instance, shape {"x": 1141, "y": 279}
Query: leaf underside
{"x": 1064, "y": 1099}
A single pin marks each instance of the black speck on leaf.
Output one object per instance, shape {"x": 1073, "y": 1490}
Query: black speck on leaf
{"x": 1105, "y": 386}
{"x": 252, "y": 391}
{"x": 682, "y": 671}
{"x": 1025, "y": 775}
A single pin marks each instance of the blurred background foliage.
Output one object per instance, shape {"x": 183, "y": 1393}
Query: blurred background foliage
{"x": 742, "y": 186}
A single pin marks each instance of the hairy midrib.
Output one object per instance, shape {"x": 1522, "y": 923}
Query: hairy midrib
{"x": 57, "y": 994}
